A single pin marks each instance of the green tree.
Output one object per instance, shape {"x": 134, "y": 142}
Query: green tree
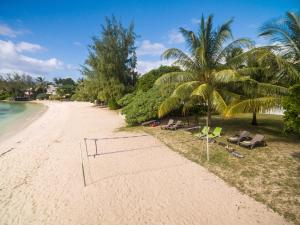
{"x": 109, "y": 70}
{"x": 285, "y": 34}
{"x": 142, "y": 105}
{"x": 292, "y": 113}
{"x": 16, "y": 85}
{"x": 65, "y": 86}
{"x": 40, "y": 85}
{"x": 260, "y": 93}
{"x": 146, "y": 81}
{"x": 205, "y": 75}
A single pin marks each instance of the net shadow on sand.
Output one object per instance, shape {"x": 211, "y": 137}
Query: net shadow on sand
{"x": 122, "y": 155}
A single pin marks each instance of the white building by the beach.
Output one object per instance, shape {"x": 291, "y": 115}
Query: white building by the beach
{"x": 51, "y": 90}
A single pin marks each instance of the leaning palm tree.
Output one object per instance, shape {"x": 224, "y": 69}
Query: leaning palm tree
{"x": 285, "y": 34}
{"x": 205, "y": 75}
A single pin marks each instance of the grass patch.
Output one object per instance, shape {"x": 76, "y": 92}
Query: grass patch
{"x": 270, "y": 175}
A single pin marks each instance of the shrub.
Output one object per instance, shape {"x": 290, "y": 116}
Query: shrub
{"x": 126, "y": 99}
{"x": 112, "y": 104}
{"x": 146, "y": 81}
{"x": 291, "y": 104}
{"x": 143, "y": 107}
{"x": 42, "y": 96}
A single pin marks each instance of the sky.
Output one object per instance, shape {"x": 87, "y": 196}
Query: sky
{"x": 51, "y": 38}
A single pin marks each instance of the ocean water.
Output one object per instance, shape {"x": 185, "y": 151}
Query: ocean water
{"x": 15, "y": 115}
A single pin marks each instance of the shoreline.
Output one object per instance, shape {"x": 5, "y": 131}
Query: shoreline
{"x": 134, "y": 181}
{"x": 22, "y": 122}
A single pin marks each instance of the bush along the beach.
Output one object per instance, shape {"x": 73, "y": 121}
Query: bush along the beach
{"x": 112, "y": 104}
{"x": 291, "y": 104}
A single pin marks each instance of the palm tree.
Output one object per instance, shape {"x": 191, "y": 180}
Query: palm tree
{"x": 285, "y": 34}
{"x": 261, "y": 92}
{"x": 40, "y": 85}
{"x": 205, "y": 74}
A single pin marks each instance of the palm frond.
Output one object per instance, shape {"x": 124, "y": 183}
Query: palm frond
{"x": 175, "y": 78}
{"x": 223, "y": 33}
{"x": 239, "y": 43}
{"x": 265, "y": 89}
{"x": 203, "y": 90}
{"x": 262, "y": 104}
{"x": 218, "y": 102}
{"x": 183, "y": 91}
{"x": 228, "y": 76}
{"x": 182, "y": 59}
{"x": 229, "y": 96}
{"x": 284, "y": 30}
{"x": 168, "y": 105}
{"x": 190, "y": 38}
{"x": 288, "y": 70}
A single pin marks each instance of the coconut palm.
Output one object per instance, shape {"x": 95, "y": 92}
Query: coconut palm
{"x": 261, "y": 92}
{"x": 205, "y": 75}
{"x": 40, "y": 85}
{"x": 285, "y": 34}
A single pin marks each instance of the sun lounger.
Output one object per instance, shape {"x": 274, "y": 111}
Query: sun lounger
{"x": 177, "y": 125}
{"x": 257, "y": 140}
{"x": 170, "y": 123}
{"x": 148, "y": 123}
{"x": 203, "y": 133}
{"x": 216, "y": 133}
{"x": 243, "y": 136}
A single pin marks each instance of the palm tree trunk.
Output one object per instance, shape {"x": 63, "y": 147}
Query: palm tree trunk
{"x": 254, "y": 121}
{"x": 208, "y": 113}
{"x": 209, "y": 118}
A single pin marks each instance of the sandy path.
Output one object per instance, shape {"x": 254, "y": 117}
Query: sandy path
{"x": 136, "y": 181}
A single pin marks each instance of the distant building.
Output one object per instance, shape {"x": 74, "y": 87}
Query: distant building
{"x": 51, "y": 90}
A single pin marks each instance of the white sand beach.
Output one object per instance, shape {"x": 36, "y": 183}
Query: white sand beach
{"x": 137, "y": 181}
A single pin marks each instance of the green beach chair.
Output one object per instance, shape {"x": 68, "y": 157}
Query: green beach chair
{"x": 203, "y": 133}
{"x": 216, "y": 133}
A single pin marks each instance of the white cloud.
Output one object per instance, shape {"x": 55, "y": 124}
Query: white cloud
{"x": 7, "y": 31}
{"x": 152, "y": 49}
{"x": 28, "y": 47}
{"x": 12, "y": 59}
{"x": 175, "y": 37}
{"x": 146, "y": 66}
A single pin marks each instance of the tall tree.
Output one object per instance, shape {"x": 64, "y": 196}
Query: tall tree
{"x": 284, "y": 32}
{"x": 110, "y": 67}
{"x": 40, "y": 85}
{"x": 204, "y": 73}
{"x": 260, "y": 93}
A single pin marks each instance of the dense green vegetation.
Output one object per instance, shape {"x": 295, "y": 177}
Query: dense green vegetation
{"x": 292, "y": 114}
{"x": 142, "y": 105}
{"x": 65, "y": 87}
{"x": 109, "y": 70}
{"x": 218, "y": 74}
{"x": 25, "y": 87}
{"x": 146, "y": 81}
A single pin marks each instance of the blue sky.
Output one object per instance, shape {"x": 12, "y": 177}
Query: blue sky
{"x": 50, "y": 38}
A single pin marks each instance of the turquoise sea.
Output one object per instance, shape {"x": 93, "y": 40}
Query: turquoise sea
{"x": 16, "y": 115}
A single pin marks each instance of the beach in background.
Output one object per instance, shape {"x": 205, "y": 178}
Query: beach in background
{"x": 15, "y": 116}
